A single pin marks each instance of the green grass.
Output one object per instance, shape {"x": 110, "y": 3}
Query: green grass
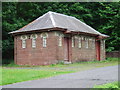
{"x": 19, "y": 75}
{"x": 113, "y": 61}
{"x": 13, "y": 73}
{"x": 110, "y": 86}
{"x": 0, "y": 75}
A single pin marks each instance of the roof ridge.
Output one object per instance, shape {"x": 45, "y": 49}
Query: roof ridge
{"x": 61, "y": 14}
{"x": 73, "y": 18}
{"x": 52, "y": 19}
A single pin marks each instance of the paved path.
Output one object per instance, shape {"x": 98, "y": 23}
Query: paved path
{"x": 83, "y": 79}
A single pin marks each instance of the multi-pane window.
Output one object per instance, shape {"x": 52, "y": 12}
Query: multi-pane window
{"x": 44, "y": 41}
{"x": 79, "y": 43}
{"x": 23, "y": 38}
{"x": 73, "y": 42}
{"x": 33, "y": 43}
{"x": 33, "y": 37}
{"x": 23, "y": 43}
{"x": 90, "y": 45}
{"x": 86, "y": 40}
{"x": 93, "y": 43}
{"x": 60, "y": 40}
{"x": 102, "y": 44}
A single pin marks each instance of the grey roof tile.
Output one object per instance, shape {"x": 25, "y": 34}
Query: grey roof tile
{"x": 53, "y": 19}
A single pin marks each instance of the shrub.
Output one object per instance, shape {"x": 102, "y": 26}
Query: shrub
{"x": 110, "y": 86}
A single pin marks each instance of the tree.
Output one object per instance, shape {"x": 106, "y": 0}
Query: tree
{"x": 103, "y": 17}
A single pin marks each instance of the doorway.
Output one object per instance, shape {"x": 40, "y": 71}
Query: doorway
{"x": 98, "y": 50}
{"x": 66, "y": 48}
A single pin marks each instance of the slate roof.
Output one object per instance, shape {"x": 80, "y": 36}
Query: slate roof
{"x": 53, "y": 19}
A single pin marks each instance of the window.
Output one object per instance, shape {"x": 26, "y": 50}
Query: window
{"x": 79, "y": 43}
{"x": 33, "y": 43}
{"x": 23, "y": 38}
{"x": 82, "y": 38}
{"x": 102, "y": 44}
{"x": 44, "y": 41}
{"x": 93, "y": 43}
{"x": 60, "y": 40}
{"x": 73, "y": 42}
{"x": 90, "y": 43}
{"x": 44, "y": 37}
{"x": 23, "y": 43}
{"x": 60, "y": 37}
{"x": 33, "y": 37}
{"x": 86, "y": 40}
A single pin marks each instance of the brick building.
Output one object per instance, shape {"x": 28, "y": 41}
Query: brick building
{"x": 55, "y": 37}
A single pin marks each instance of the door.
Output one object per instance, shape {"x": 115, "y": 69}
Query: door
{"x": 98, "y": 50}
{"x": 66, "y": 49}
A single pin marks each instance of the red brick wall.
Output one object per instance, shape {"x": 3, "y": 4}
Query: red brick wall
{"x": 52, "y": 53}
{"x": 83, "y": 53}
{"x": 39, "y": 55}
{"x": 60, "y": 49}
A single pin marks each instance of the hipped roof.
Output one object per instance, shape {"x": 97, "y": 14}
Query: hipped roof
{"x": 53, "y": 19}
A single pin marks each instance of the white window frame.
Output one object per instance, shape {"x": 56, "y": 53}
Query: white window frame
{"x": 44, "y": 36}
{"x": 79, "y": 43}
{"x": 93, "y": 43}
{"x": 73, "y": 42}
{"x": 44, "y": 41}
{"x": 34, "y": 37}
{"x": 60, "y": 38}
{"x": 23, "y": 43}
{"x": 82, "y": 38}
{"x": 87, "y": 42}
{"x": 60, "y": 41}
{"x": 102, "y": 44}
{"x": 90, "y": 43}
{"x": 23, "y": 38}
{"x": 33, "y": 43}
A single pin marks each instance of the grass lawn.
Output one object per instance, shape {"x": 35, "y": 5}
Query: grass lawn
{"x": 19, "y": 75}
{"x": 111, "y": 86}
{"x": 12, "y": 73}
{"x": 0, "y": 75}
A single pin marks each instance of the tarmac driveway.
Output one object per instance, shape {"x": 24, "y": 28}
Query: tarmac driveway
{"x": 83, "y": 79}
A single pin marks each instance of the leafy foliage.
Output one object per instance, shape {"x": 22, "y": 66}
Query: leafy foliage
{"x": 103, "y": 17}
{"x": 110, "y": 86}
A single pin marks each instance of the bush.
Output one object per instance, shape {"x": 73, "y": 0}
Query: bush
{"x": 7, "y": 61}
{"x": 110, "y": 86}
{"x": 112, "y": 59}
